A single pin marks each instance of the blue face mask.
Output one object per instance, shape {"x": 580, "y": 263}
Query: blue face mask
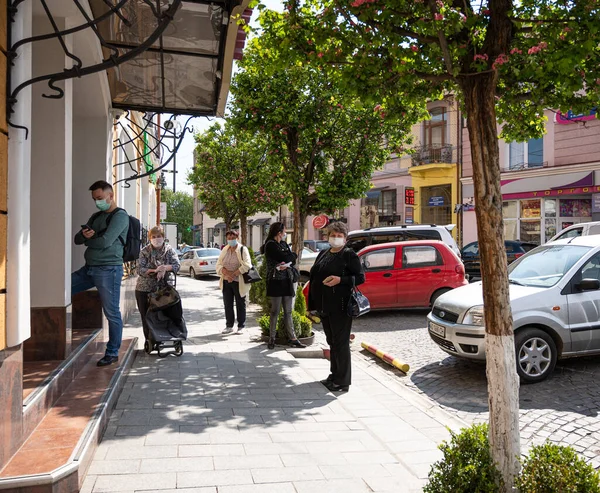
{"x": 232, "y": 243}
{"x": 103, "y": 205}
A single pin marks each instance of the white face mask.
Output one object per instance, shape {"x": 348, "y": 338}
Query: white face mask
{"x": 284, "y": 237}
{"x": 157, "y": 242}
{"x": 337, "y": 242}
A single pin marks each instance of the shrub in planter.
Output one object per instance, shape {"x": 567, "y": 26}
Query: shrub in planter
{"x": 258, "y": 292}
{"x": 557, "y": 469}
{"x": 300, "y": 303}
{"x": 302, "y": 325}
{"x": 466, "y": 466}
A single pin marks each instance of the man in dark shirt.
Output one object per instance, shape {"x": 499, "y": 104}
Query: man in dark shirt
{"x": 104, "y": 262}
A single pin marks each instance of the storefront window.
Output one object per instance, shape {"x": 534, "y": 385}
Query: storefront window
{"x": 550, "y": 228}
{"x": 436, "y": 204}
{"x": 530, "y": 231}
{"x": 531, "y": 208}
{"x": 510, "y": 208}
{"x": 510, "y": 229}
{"x": 550, "y": 207}
{"x": 576, "y": 207}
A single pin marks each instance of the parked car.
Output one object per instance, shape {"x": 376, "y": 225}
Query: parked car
{"x": 580, "y": 229}
{"x": 200, "y": 262}
{"x": 555, "y": 302}
{"x": 306, "y": 263}
{"x": 472, "y": 260}
{"x": 316, "y": 245}
{"x": 357, "y": 240}
{"x": 408, "y": 274}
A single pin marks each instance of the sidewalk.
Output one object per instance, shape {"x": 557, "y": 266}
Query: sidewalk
{"x": 229, "y": 416}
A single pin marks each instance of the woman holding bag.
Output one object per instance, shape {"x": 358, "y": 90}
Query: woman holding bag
{"x": 156, "y": 260}
{"x": 334, "y": 275}
{"x": 233, "y": 263}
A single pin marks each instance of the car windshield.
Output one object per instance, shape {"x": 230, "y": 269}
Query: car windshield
{"x": 208, "y": 252}
{"x": 545, "y": 266}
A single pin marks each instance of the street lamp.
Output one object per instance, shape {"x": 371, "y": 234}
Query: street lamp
{"x": 173, "y": 131}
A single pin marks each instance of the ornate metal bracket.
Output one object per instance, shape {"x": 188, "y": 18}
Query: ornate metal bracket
{"x": 116, "y": 56}
{"x": 155, "y": 136}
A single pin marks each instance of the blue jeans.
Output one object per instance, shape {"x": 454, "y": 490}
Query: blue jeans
{"x": 107, "y": 280}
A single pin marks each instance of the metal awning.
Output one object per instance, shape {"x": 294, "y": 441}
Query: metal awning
{"x": 219, "y": 226}
{"x": 260, "y": 222}
{"x": 181, "y": 72}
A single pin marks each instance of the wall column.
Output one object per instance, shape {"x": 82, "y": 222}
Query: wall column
{"x": 51, "y": 195}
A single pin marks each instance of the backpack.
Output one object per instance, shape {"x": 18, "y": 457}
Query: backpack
{"x": 133, "y": 243}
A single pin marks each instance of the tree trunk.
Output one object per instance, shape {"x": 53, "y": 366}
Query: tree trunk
{"x": 503, "y": 383}
{"x": 244, "y": 228}
{"x": 298, "y": 235}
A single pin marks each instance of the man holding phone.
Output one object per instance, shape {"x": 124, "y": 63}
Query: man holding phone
{"x": 104, "y": 235}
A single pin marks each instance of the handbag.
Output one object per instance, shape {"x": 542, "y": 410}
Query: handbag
{"x": 251, "y": 276}
{"x": 358, "y": 304}
{"x": 163, "y": 298}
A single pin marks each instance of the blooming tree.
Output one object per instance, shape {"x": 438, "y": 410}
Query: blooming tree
{"x": 326, "y": 143}
{"x": 233, "y": 176}
{"x": 506, "y": 61}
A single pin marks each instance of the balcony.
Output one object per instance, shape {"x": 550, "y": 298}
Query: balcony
{"x": 524, "y": 166}
{"x": 434, "y": 153}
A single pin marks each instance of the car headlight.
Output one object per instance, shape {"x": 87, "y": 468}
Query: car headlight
{"x": 474, "y": 316}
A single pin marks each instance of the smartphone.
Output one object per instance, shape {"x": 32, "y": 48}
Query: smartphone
{"x": 85, "y": 226}
{"x": 330, "y": 278}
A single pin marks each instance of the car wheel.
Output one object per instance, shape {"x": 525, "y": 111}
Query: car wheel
{"x": 437, "y": 294}
{"x": 193, "y": 273}
{"x": 536, "y": 355}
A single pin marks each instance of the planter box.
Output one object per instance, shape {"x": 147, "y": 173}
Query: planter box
{"x": 307, "y": 341}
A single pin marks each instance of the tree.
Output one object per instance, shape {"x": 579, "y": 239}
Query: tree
{"x": 506, "y": 61}
{"x": 327, "y": 144}
{"x": 233, "y": 176}
{"x": 180, "y": 210}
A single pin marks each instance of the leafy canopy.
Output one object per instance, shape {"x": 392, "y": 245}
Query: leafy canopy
{"x": 180, "y": 210}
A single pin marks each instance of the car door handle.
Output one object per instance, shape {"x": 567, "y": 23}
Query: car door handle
{"x": 436, "y": 270}
{"x": 387, "y": 275}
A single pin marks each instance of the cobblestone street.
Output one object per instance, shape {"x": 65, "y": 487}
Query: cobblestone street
{"x": 563, "y": 409}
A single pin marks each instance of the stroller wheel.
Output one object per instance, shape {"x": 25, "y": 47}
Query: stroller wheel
{"x": 147, "y": 346}
{"x": 178, "y": 348}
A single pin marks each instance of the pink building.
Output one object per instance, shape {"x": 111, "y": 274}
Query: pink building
{"x": 548, "y": 184}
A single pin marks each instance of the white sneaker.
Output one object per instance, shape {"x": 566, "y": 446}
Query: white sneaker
{"x": 227, "y": 330}
{"x": 240, "y": 330}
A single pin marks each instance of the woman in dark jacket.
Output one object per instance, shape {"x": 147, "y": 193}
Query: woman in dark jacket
{"x": 332, "y": 277}
{"x": 280, "y": 286}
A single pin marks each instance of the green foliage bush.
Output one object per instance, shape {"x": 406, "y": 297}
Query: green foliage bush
{"x": 557, "y": 469}
{"x": 467, "y": 464}
{"x": 302, "y": 325}
{"x": 300, "y": 303}
{"x": 258, "y": 293}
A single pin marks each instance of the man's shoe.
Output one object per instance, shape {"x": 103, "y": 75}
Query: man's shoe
{"x": 227, "y": 330}
{"x": 107, "y": 360}
{"x": 297, "y": 344}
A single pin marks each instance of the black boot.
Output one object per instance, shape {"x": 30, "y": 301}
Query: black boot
{"x": 271, "y": 344}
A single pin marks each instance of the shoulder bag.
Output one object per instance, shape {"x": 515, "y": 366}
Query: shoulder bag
{"x": 252, "y": 275}
{"x": 359, "y": 304}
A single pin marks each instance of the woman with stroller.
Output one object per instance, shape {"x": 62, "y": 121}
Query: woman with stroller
{"x": 280, "y": 284}
{"x": 233, "y": 262}
{"x": 335, "y": 272}
{"x": 156, "y": 260}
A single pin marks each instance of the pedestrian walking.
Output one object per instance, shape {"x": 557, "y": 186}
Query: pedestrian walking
{"x": 280, "y": 282}
{"x": 335, "y": 272}
{"x": 157, "y": 259}
{"x": 233, "y": 262}
{"x": 104, "y": 235}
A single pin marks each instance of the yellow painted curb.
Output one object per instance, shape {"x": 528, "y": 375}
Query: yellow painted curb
{"x": 390, "y": 360}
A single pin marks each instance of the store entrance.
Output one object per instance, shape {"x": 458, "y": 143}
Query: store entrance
{"x": 436, "y": 204}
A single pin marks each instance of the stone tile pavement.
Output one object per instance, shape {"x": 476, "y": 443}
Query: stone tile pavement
{"x": 229, "y": 416}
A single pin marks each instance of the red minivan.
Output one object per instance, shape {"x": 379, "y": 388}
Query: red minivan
{"x": 408, "y": 274}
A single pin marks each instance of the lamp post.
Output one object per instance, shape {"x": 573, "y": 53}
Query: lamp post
{"x": 172, "y": 131}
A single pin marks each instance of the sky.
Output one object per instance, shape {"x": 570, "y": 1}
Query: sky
{"x": 185, "y": 155}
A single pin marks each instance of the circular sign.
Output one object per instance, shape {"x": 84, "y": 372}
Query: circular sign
{"x": 320, "y": 222}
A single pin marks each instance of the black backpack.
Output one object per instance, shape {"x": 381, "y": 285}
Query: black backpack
{"x": 133, "y": 244}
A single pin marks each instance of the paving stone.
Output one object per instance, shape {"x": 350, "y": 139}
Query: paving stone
{"x": 129, "y": 482}
{"x": 213, "y": 478}
{"x": 333, "y": 486}
{"x": 177, "y": 464}
{"x": 280, "y": 475}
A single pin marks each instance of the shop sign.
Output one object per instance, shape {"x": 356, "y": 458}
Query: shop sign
{"x": 558, "y": 192}
{"x": 409, "y": 196}
{"x": 570, "y": 117}
{"x": 409, "y": 215}
{"x": 596, "y": 202}
{"x": 320, "y": 222}
{"x": 435, "y": 201}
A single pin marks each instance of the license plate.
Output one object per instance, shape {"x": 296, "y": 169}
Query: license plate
{"x": 437, "y": 329}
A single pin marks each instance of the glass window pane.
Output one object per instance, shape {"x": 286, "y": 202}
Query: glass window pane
{"x": 530, "y": 231}
{"x": 377, "y": 239}
{"x": 510, "y": 229}
{"x": 517, "y": 155}
{"x": 535, "y": 152}
{"x": 190, "y": 82}
{"x": 420, "y": 256}
{"x": 550, "y": 228}
{"x": 531, "y": 208}
{"x": 550, "y": 207}
{"x": 510, "y": 209}
{"x": 382, "y": 259}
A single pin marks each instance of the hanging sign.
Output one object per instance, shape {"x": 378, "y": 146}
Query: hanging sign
{"x": 320, "y": 222}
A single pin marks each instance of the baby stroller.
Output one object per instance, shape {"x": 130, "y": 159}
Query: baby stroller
{"x": 166, "y": 325}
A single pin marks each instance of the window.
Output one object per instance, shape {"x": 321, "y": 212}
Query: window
{"x": 526, "y": 154}
{"x": 435, "y": 128}
{"x": 357, "y": 243}
{"x": 591, "y": 269}
{"x": 385, "y": 238}
{"x": 572, "y": 233}
{"x": 387, "y": 203}
{"x": 380, "y": 259}
{"x": 594, "y": 229}
{"x": 425, "y": 256}
{"x": 188, "y": 256}
{"x": 471, "y": 250}
{"x": 209, "y": 252}
{"x": 421, "y": 234}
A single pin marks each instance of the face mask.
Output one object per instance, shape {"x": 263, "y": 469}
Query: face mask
{"x": 336, "y": 242}
{"x": 284, "y": 237}
{"x": 232, "y": 243}
{"x": 103, "y": 205}
{"x": 157, "y": 242}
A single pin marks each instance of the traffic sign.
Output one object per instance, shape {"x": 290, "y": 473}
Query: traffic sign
{"x": 320, "y": 222}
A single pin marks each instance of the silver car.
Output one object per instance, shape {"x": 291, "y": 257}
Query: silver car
{"x": 200, "y": 262}
{"x": 555, "y": 301}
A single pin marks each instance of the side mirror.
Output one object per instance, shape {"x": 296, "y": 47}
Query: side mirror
{"x": 588, "y": 285}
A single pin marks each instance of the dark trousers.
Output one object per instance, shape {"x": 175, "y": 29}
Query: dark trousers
{"x": 231, "y": 292}
{"x": 337, "y": 327}
{"x": 142, "y": 302}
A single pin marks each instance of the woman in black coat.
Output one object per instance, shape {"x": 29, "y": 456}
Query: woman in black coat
{"x": 332, "y": 278}
{"x": 280, "y": 284}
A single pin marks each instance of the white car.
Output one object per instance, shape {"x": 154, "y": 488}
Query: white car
{"x": 306, "y": 263}
{"x": 580, "y": 229}
{"x": 555, "y": 302}
{"x": 200, "y": 262}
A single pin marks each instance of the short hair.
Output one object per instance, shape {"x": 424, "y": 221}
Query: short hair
{"x": 232, "y": 233}
{"x": 156, "y": 230}
{"x": 101, "y": 184}
{"x": 338, "y": 227}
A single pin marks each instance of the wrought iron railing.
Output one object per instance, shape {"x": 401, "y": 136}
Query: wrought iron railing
{"x": 434, "y": 153}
